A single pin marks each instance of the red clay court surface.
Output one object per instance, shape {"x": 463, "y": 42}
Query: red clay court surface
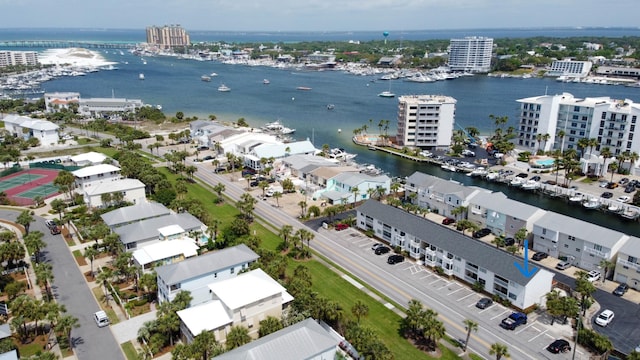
{"x": 22, "y": 187}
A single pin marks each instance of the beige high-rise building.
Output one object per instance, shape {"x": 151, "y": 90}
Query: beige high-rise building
{"x": 168, "y": 36}
{"x": 426, "y": 121}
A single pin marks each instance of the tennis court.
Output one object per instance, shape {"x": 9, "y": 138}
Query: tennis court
{"x": 11, "y": 182}
{"x": 22, "y": 187}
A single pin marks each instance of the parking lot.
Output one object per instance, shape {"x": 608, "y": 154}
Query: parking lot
{"x": 459, "y": 301}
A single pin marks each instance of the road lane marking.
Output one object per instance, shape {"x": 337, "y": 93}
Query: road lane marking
{"x": 542, "y": 333}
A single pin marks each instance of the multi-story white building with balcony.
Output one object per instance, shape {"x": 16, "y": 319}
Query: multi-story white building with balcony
{"x": 471, "y": 54}
{"x": 611, "y": 122}
{"x": 439, "y": 195}
{"x": 585, "y": 245}
{"x": 12, "y": 58}
{"x": 628, "y": 264}
{"x": 501, "y": 214}
{"x": 426, "y": 121}
{"x": 468, "y": 259}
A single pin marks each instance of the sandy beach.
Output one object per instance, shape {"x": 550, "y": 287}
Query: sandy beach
{"x": 73, "y": 56}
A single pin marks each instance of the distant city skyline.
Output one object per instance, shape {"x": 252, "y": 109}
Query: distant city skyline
{"x": 324, "y": 15}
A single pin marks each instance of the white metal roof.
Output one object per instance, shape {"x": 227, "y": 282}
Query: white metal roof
{"x": 170, "y": 230}
{"x": 164, "y": 250}
{"x": 234, "y": 292}
{"x": 95, "y": 170}
{"x": 206, "y": 317}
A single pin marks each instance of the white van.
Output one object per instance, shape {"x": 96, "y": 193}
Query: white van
{"x": 101, "y": 318}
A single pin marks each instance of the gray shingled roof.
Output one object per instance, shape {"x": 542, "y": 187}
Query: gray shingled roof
{"x": 477, "y": 252}
{"x": 137, "y": 212}
{"x": 501, "y": 203}
{"x": 205, "y": 264}
{"x": 441, "y": 186}
{"x": 148, "y": 228}
{"x": 580, "y": 229}
{"x": 303, "y": 340}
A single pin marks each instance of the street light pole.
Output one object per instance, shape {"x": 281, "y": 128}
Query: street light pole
{"x": 575, "y": 345}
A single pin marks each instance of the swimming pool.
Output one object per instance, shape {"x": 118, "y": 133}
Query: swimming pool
{"x": 544, "y": 162}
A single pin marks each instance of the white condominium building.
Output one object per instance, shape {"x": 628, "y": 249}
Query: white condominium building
{"x": 570, "y": 68}
{"x": 12, "y": 58}
{"x": 426, "y": 121}
{"x": 611, "y": 122}
{"x": 472, "y": 54}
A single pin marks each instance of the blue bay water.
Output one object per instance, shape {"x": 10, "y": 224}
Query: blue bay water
{"x": 176, "y": 85}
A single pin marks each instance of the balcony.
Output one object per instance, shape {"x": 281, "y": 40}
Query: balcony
{"x": 629, "y": 264}
{"x": 415, "y": 243}
{"x": 602, "y": 254}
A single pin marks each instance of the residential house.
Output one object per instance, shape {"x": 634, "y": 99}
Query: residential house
{"x": 438, "y": 195}
{"x": 25, "y": 127}
{"x": 88, "y": 158}
{"x": 465, "y": 258}
{"x": 584, "y": 244}
{"x": 137, "y": 212}
{"x": 162, "y": 228}
{"x": 501, "y": 214}
{"x": 94, "y": 175}
{"x": 305, "y": 340}
{"x": 131, "y": 190}
{"x": 164, "y": 253}
{"x": 195, "y": 274}
{"x": 276, "y": 151}
{"x": 243, "y": 300}
{"x": 301, "y": 165}
{"x": 627, "y": 269}
{"x": 350, "y": 187}
{"x": 57, "y": 101}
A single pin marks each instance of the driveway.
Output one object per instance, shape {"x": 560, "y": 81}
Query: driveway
{"x": 70, "y": 289}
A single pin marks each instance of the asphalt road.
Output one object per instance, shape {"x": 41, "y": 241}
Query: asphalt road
{"x": 403, "y": 282}
{"x": 70, "y": 289}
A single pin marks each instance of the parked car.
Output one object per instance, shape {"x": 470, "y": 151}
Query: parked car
{"x": 509, "y": 241}
{"x": 606, "y": 195}
{"x": 514, "y": 320}
{"x": 341, "y": 226}
{"x": 481, "y": 233}
{"x": 55, "y": 230}
{"x": 593, "y": 275}
{"x": 559, "y": 346}
{"x": 394, "y": 259}
{"x": 563, "y": 265}
{"x": 376, "y": 245}
{"x": 382, "y": 250}
{"x": 539, "y": 256}
{"x": 101, "y": 318}
{"x": 522, "y": 175}
{"x": 603, "y": 184}
{"x": 623, "y": 199}
{"x": 623, "y": 181}
{"x": 629, "y": 189}
{"x": 448, "y": 221}
{"x": 484, "y": 303}
{"x": 621, "y": 289}
{"x": 50, "y": 223}
{"x": 612, "y": 185}
{"x": 535, "y": 178}
{"x": 605, "y": 318}
{"x": 208, "y": 157}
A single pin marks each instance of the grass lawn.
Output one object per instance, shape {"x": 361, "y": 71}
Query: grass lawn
{"x": 129, "y": 351}
{"x": 382, "y": 320}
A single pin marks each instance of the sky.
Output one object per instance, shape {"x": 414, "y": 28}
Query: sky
{"x": 318, "y": 15}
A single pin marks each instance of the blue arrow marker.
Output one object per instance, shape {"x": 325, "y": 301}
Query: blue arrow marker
{"x": 524, "y": 269}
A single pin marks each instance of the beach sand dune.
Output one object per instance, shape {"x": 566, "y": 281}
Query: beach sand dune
{"x": 73, "y": 56}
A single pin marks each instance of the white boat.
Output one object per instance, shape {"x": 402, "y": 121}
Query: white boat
{"x": 420, "y": 78}
{"x": 479, "y": 171}
{"x": 530, "y": 185}
{"x": 141, "y": 76}
{"x": 517, "y": 182}
{"x": 576, "y": 197}
{"x": 387, "y": 94}
{"x": 615, "y": 207}
{"x": 492, "y": 175}
{"x": 448, "y": 167}
{"x": 277, "y": 128}
{"x": 330, "y": 107}
{"x": 224, "y": 88}
{"x": 340, "y": 154}
{"x": 205, "y": 78}
{"x": 592, "y": 203}
{"x": 213, "y": 74}
{"x": 266, "y": 81}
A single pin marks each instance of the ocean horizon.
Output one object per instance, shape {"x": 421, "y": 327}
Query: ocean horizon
{"x": 139, "y": 35}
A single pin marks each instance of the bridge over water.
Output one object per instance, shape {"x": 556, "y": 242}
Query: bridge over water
{"x": 67, "y": 44}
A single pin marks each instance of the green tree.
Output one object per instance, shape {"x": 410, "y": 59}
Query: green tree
{"x": 237, "y": 336}
{"x": 269, "y": 325}
{"x": 586, "y": 289}
{"x": 470, "y": 326}
{"x": 65, "y": 325}
{"x": 499, "y": 350}
{"x": 359, "y": 310}
{"x": 25, "y": 219}
{"x": 34, "y": 243}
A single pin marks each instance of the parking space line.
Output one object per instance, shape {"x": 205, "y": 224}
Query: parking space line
{"x": 525, "y": 328}
{"x": 550, "y": 336}
{"x": 455, "y": 291}
{"x": 466, "y": 297}
{"x": 435, "y": 281}
{"x": 425, "y": 277}
{"x": 447, "y": 284}
{"x": 499, "y": 315}
{"x": 542, "y": 333}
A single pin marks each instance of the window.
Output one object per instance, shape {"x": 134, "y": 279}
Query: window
{"x": 233, "y": 270}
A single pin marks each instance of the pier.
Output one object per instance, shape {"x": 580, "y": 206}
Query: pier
{"x": 67, "y": 44}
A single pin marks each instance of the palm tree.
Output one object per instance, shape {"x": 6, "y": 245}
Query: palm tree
{"x": 359, "y": 310}
{"x": 561, "y": 134}
{"x": 65, "y": 325}
{"x": 285, "y": 233}
{"x": 605, "y": 264}
{"x": 605, "y": 152}
{"x": 25, "y": 219}
{"x": 238, "y": 336}
{"x": 470, "y": 326}
{"x": 499, "y": 350}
